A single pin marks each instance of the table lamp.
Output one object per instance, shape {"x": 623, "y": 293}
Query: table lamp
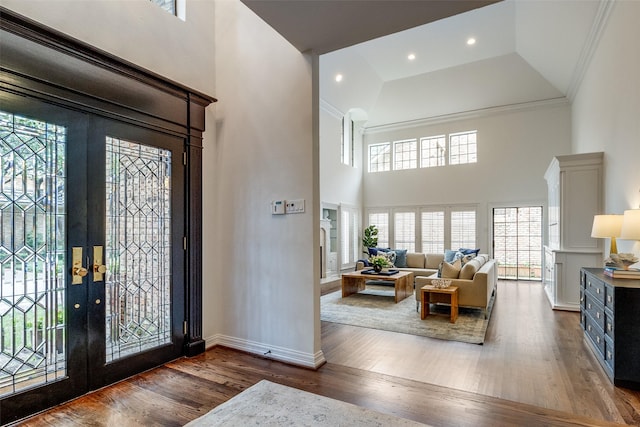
{"x": 608, "y": 226}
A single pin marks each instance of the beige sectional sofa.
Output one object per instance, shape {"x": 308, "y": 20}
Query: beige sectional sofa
{"x": 476, "y": 282}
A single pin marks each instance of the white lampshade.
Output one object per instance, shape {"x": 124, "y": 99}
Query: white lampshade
{"x": 606, "y": 226}
{"x": 631, "y": 225}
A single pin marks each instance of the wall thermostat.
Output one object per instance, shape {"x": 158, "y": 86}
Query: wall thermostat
{"x": 278, "y": 207}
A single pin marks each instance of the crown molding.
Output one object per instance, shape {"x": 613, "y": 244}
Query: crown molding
{"x": 590, "y": 46}
{"x": 484, "y": 112}
{"x": 329, "y": 108}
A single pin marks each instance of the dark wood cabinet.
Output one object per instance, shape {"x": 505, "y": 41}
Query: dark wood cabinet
{"x": 609, "y": 315}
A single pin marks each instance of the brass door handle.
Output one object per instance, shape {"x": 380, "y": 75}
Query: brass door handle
{"x": 98, "y": 268}
{"x": 80, "y": 271}
{"x": 77, "y": 270}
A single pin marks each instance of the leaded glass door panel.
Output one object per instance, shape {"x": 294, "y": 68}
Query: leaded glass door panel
{"x": 135, "y": 216}
{"x": 77, "y": 183}
{"x": 42, "y": 358}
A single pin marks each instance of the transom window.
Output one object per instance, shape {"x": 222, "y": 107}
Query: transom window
{"x": 440, "y": 150}
{"x": 168, "y": 5}
{"x": 432, "y": 151}
{"x": 346, "y": 152}
{"x": 380, "y": 157}
{"x": 405, "y": 154}
{"x": 463, "y": 148}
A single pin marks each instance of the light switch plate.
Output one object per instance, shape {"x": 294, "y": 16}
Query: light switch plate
{"x": 295, "y": 206}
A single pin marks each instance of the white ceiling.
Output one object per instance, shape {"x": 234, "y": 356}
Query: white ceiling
{"x": 526, "y": 50}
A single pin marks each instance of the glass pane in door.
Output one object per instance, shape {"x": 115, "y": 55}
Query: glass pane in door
{"x": 138, "y": 248}
{"x": 517, "y": 237}
{"x": 32, "y": 253}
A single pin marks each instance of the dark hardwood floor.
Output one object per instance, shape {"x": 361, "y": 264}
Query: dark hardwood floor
{"x": 533, "y": 370}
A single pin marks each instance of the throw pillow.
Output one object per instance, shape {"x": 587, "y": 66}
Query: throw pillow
{"x": 448, "y": 255}
{"x": 469, "y": 270}
{"x": 467, "y": 258}
{"x": 391, "y": 257}
{"x": 451, "y": 271}
{"x": 467, "y": 251}
{"x": 401, "y": 258}
{"x": 372, "y": 251}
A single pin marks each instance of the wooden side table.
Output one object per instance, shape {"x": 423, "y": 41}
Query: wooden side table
{"x": 452, "y": 291}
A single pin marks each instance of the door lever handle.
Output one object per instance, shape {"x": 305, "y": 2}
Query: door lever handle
{"x": 77, "y": 270}
{"x": 98, "y": 268}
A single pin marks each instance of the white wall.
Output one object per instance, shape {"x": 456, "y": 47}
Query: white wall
{"x": 514, "y": 150}
{"x": 261, "y": 281}
{"x": 606, "y": 111}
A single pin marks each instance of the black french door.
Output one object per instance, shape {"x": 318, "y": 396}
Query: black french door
{"x": 91, "y": 252}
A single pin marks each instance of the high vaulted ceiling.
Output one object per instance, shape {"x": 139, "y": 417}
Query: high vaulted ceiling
{"x": 525, "y": 51}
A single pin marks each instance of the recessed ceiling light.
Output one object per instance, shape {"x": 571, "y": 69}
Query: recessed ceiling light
{"x": 471, "y": 41}
{"x": 411, "y": 57}
{"x": 338, "y": 78}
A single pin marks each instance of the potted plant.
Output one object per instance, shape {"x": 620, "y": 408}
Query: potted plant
{"x": 370, "y": 238}
{"x": 379, "y": 262}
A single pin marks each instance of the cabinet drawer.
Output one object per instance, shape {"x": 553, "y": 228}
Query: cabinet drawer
{"x": 596, "y": 335}
{"x": 609, "y": 323}
{"x": 595, "y": 310}
{"x": 609, "y": 296}
{"x": 609, "y": 353}
{"x": 595, "y": 287}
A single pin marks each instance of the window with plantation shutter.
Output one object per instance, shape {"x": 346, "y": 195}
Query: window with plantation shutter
{"x": 381, "y": 221}
{"x": 432, "y": 227}
{"x": 463, "y": 229}
{"x": 349, "y": 236}
{"x": 405, "y": 231}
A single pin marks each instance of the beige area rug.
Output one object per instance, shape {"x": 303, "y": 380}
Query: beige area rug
{"x": 375, "y": 308}
{"x": 271, "y": 404}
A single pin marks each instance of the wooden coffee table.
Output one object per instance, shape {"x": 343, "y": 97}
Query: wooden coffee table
{"x": 355, "y": 282}
{"x": 452, "y": 291}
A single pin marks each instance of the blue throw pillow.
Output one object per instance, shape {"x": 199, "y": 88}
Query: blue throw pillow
{"x": 466, "y": 251}
{"x": 372, "y": 251}
{"x": 401, "y": 258}
{"x": 365, "y": 262}
{"x": 449, "y": 255}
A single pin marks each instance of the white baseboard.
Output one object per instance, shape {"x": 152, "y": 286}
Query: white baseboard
{"x": 286, "y": 355}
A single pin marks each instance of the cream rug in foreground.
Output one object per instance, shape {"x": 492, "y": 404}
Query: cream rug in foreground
{"x": 375, "y": 308}
{"x": 271, "y": 404}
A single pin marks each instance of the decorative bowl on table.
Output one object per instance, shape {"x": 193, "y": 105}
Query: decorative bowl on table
{"x": 440, "y": 283}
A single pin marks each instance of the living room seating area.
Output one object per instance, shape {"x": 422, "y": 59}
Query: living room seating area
{"x": 473, "y": 273}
